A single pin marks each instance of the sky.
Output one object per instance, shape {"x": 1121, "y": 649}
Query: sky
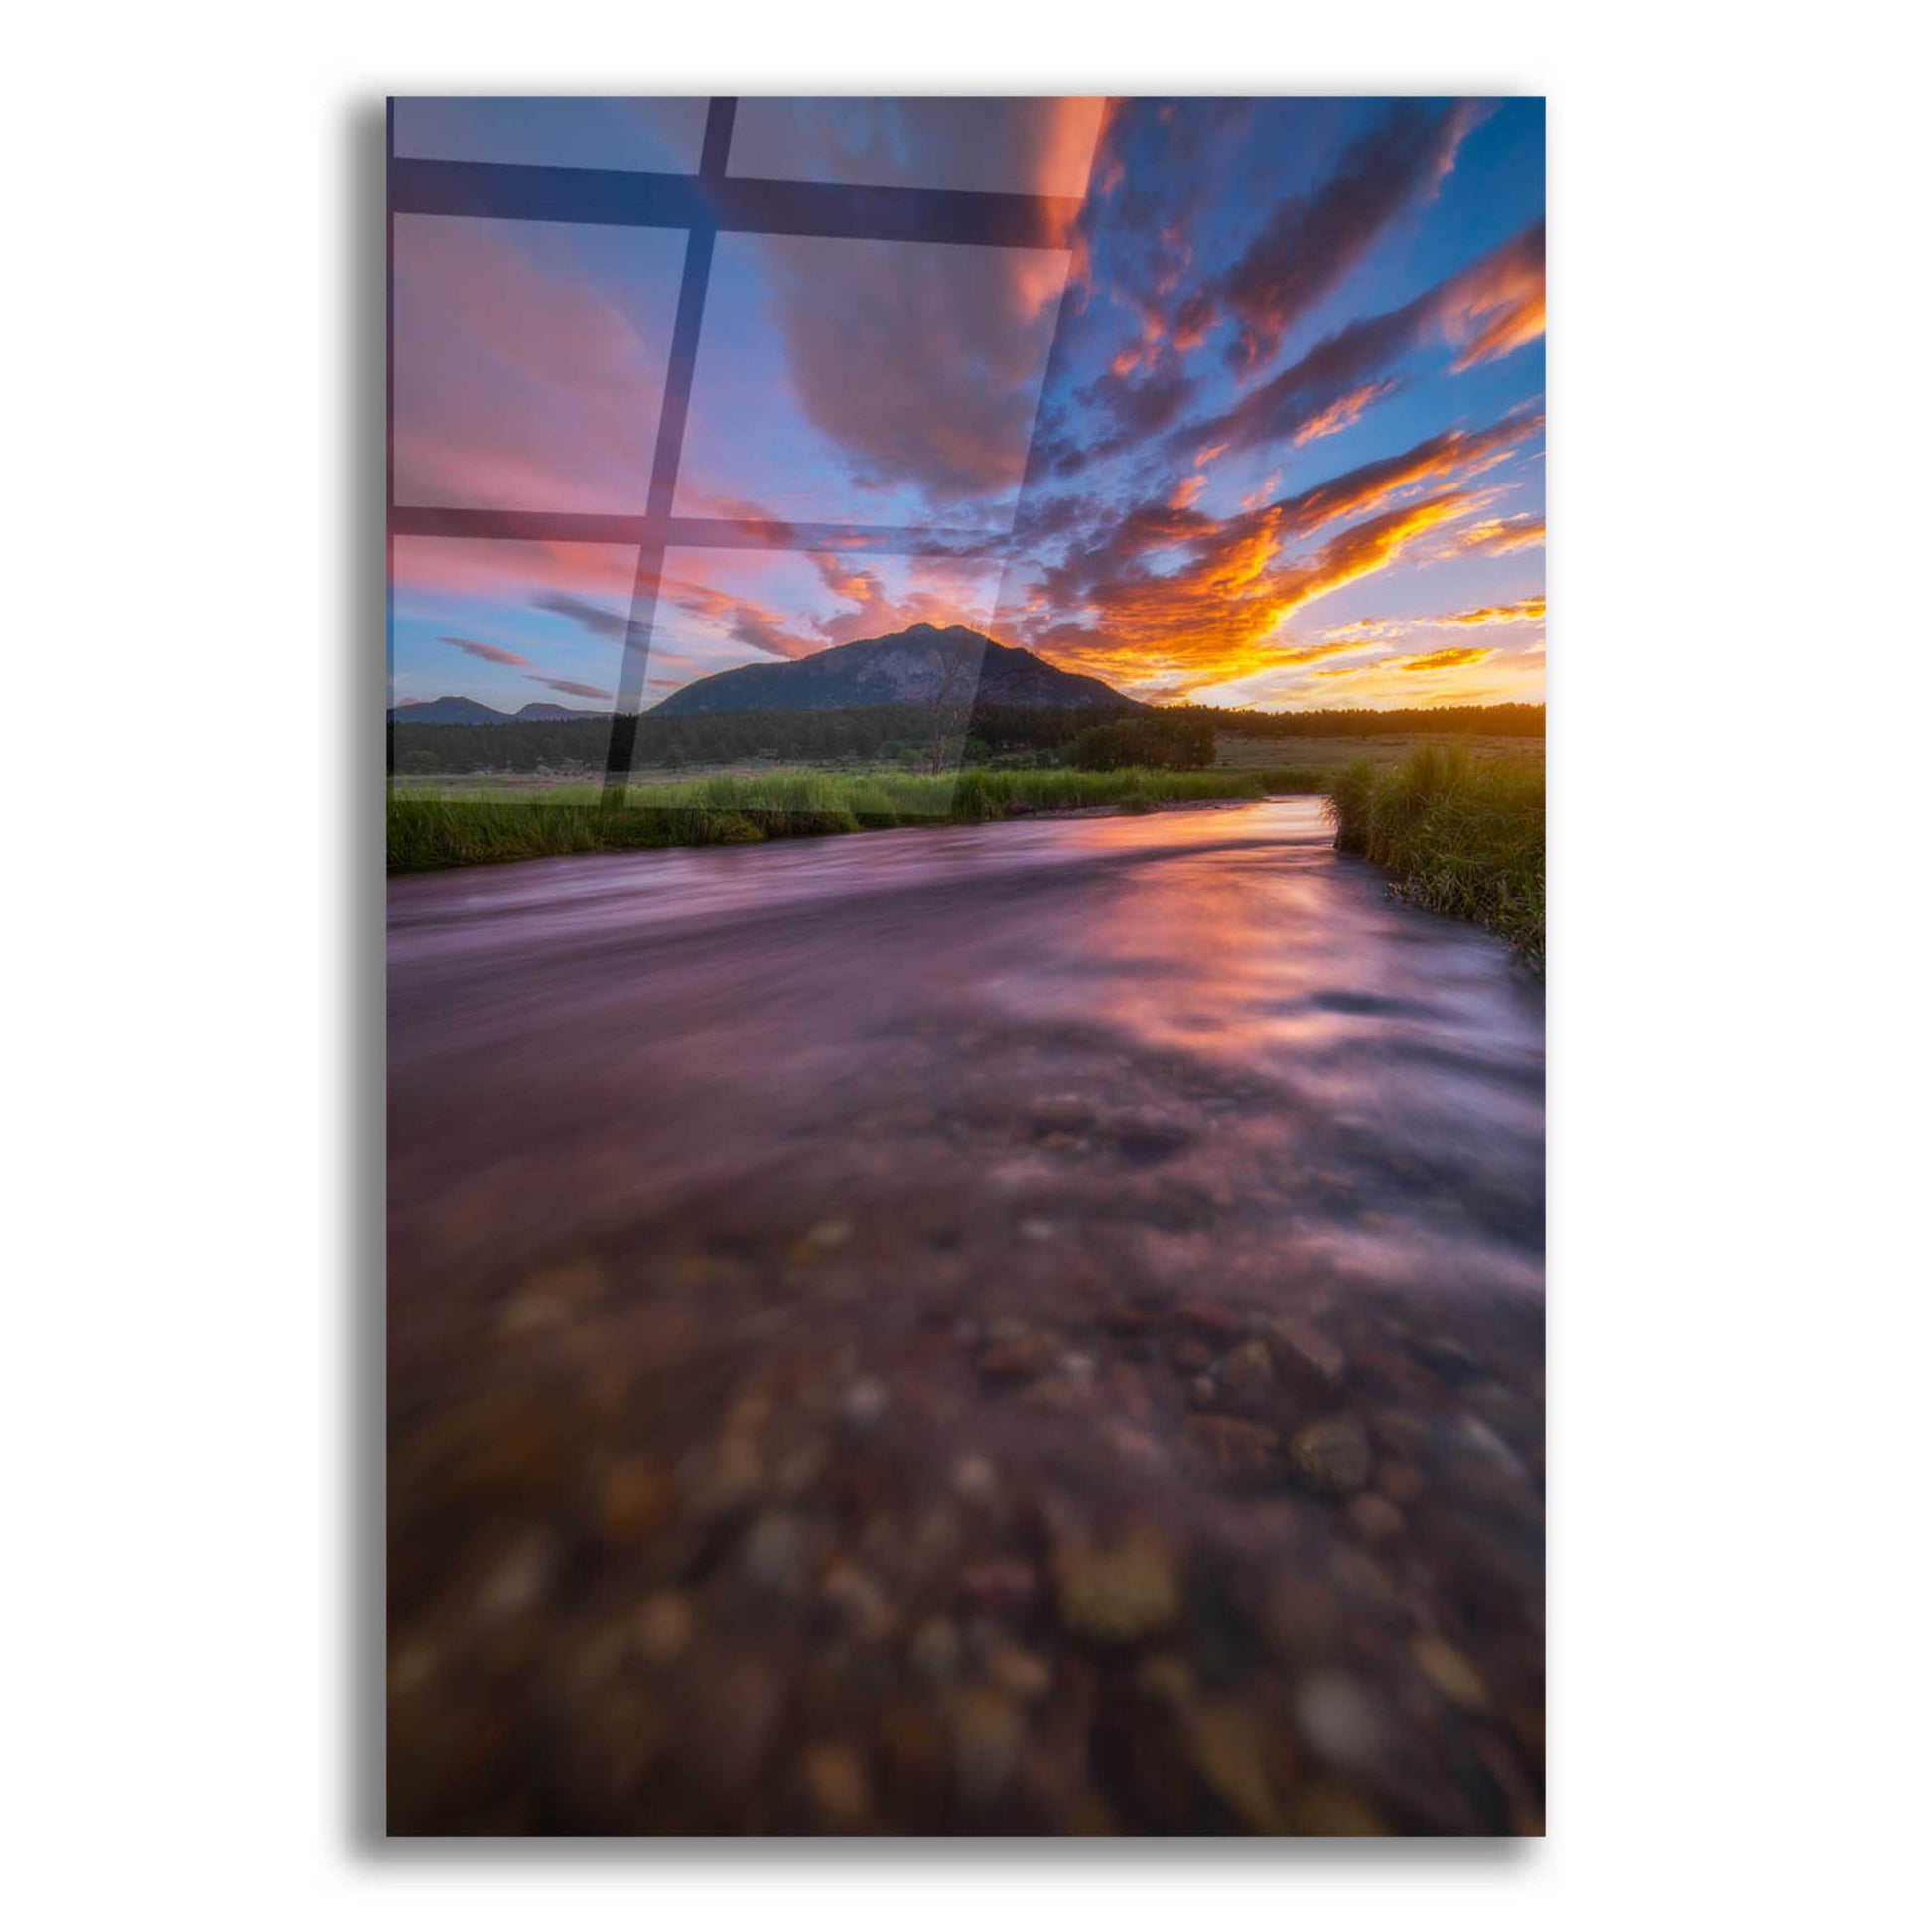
{"x": 1260, "y": 424}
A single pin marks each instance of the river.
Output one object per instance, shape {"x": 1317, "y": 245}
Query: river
{"x": 1025, "y": 1328}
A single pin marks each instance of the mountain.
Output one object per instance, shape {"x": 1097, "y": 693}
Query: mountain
{"x": 912, "y": 666}
{"x": 467, "y": 711}
{"x": 552, "y": 714}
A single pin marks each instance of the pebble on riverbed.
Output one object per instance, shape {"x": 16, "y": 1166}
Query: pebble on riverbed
{"x": 1021, "y": 1359}
{"x": 987, "y": 1729}
{"x": 1241, "y": 1759}
{"x": 1240, "y": 1453}
{"x": 836, "y": 1786}
{"x": 664, "y": 1625}
{"x": 1375, "y": 1518}
{"x": 1303, "y": 1354}
{"x": 1118, "y": 1593}
{"x": 1247, "y": 1373}
{"x": 1450, "y": 1672}
{"x": 634, "y": 1500}
{"x": 1332, "y": 1456}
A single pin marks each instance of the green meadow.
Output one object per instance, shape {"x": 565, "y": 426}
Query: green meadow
{"x": 438, "y": 826}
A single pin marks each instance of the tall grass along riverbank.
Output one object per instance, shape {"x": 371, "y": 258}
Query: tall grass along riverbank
{"x": 429, "y": 831}
{"x": 1461, "y": 835}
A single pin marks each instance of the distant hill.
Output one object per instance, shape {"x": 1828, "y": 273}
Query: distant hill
{"x": 552, "y": 714}
{"x": 467, "y": 711}
{"x": 909, "y": 667}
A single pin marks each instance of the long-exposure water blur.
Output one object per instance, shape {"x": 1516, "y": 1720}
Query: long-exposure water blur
{"x": 1029, "y": 1328}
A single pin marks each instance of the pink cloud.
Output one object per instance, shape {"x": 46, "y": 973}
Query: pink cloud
{"x": 529, "y": 359}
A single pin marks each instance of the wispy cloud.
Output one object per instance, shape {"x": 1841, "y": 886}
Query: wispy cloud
{"x": 597, "y": 619}
{"x": 489, "y": 653}
{"x": 1310, "y": 243}
{"x": 1499, "y": 536}
{"x": 1487, "y": 310}
{"x": 1526, "y": 610}
{"x": 744, "y": 622}
{"x": 1343, "y": 412}
{"x": 1451, "y": 658}
{"x": 570, "y": 688}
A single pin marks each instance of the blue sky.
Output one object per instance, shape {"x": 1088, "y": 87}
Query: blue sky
{"x": 1264, "y": 427}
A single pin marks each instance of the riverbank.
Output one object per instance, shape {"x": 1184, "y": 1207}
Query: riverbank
{"x": 428, "y": 832}
{"x": 1462, "y": 834}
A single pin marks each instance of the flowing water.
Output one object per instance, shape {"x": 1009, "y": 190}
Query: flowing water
{"x": 1028, "y": 1327}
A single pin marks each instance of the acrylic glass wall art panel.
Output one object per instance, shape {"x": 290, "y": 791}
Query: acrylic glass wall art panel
{"x": 966, "y": 1100}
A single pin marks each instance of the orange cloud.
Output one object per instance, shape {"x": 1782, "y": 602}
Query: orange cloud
{"x": 1497, "y": 304}
{"x": 1442, "y": 660}
{"x": 1342, "y": 411}
{"x": 1374, "y": 630}
{"x": 1526, "y": 610}
{"x": 1262, "y": 490}
{"x": 744, "y": 622}
{"x": 1366, "y": 632}
{"x": 1497, "y": 536}
{"x": 1452, "y": 659}
{"x": 941, "y": 593}
{"x": 1461, "y": 453}
{"x": 1314, "y": 653}
{"x": 1214, "y": 619}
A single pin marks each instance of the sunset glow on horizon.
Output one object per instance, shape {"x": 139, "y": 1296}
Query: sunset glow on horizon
{"x": 1260, "y": 424}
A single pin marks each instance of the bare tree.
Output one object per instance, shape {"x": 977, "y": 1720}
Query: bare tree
{"x": 958, "y": 675}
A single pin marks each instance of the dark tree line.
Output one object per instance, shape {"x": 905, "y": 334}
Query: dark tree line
{"x": 1160, "y": 741}
{"x": 1491, "y": 720}
{"x": 868, "y": 733}
{"x": 1098, "y": 739}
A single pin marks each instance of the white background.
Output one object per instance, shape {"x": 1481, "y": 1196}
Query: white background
{"x": 1737, "y": 643}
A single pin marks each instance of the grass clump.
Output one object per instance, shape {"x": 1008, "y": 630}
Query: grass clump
{"x": 428, "y": 831}
{"x": 1462, "y": 834}
{"x": 1293, "y": 778}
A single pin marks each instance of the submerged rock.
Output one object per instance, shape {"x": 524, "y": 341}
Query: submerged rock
{"x": 1120, "y": 1594}
{"x": 1020, "y": 1673}
{"x": 863, "y": 1405}
{"x": 1303, "y": 1354}
{"x": 1324, "y": 1808}
{"x": 987, "y": 1729}
{"x": 1375, "y": 1518}
{"x": 1450, "y": 1672}
{"x": 1332, "y": 1456}
{"x": 1019, "y": 1361}
{"x": 1242, "y": 1453}
{"x": 1248, "y": 1374}
{"x": 1230, "y": 1747}
{"x": 634, "y": 1500}
{"x": 664, "y": 1627}
{"x": 933, "y": 1653}
{"x": 836, "y": 1786}
{"x": 1339, "y": 1719}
